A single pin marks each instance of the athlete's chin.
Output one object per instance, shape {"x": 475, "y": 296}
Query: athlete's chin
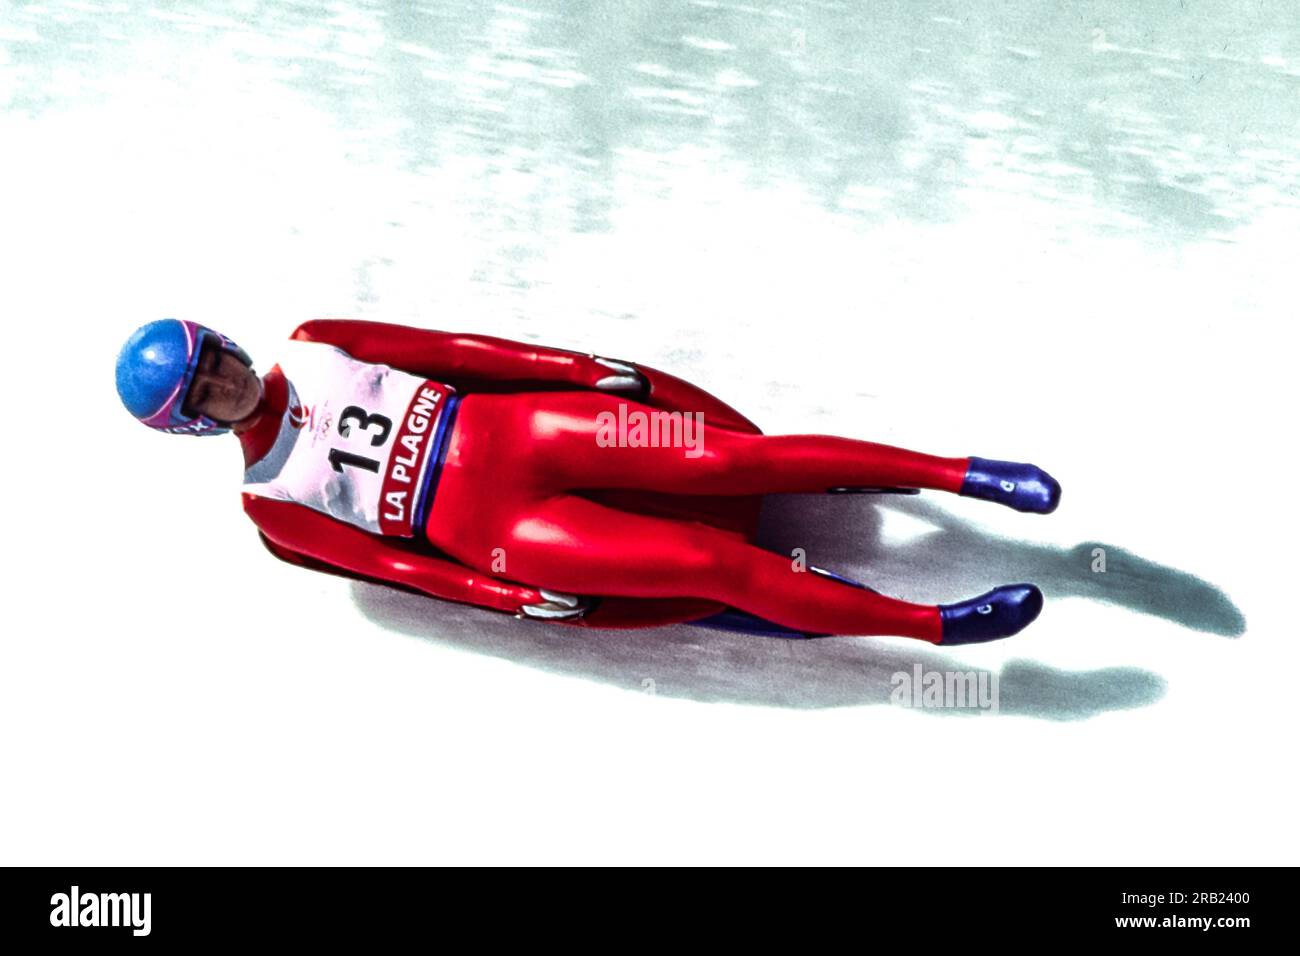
{"x": 246, "y": 405}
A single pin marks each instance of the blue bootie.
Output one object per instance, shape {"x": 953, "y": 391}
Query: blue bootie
{"x": 1010, "y": 483}
{"x": 1000, "y": 613}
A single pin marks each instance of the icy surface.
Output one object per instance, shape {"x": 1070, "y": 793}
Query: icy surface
{"x": 1066, "y": 236}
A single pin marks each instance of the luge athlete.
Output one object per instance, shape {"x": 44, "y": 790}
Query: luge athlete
{"x": 479, "y": 470}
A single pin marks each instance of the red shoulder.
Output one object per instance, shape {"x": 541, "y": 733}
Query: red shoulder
{"x": 316, "y": 330}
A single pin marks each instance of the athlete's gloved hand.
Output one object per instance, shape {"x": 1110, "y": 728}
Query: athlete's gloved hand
{"x": 556, "y": 606}
{"x": 626, "y": 378}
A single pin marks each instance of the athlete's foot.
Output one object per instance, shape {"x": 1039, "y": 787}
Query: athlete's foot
{"x": 1000, "y": 613}
{"x": 1010, "y": 483}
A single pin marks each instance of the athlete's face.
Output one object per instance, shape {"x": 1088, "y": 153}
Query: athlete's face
{"x": 223, "y": 387}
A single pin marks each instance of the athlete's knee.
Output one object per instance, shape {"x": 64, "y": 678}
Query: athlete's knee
{"x": 691, "y": 562}
{"x": 726, "y": 571}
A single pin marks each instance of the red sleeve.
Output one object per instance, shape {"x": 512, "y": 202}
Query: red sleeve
{"x": 305, "y": 531}
{"x": 449, "y": 356}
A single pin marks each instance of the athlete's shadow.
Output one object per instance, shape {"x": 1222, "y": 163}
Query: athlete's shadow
{"x": 843, "y": 533}
{"x": 959, "y": 560}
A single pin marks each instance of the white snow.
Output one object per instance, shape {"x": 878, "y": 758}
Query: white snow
{"x": 844, "y": 262}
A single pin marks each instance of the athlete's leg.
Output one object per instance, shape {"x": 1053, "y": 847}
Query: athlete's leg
{"x": 568, "y": 543}
{"x": 589, "y": 442}
{"x": 494, "y": 509}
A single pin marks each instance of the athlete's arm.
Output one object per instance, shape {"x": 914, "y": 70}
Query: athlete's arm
{"x": 307, "y": 532}
{"x": 447, "y": 356}
{"x": 454, "y": 356}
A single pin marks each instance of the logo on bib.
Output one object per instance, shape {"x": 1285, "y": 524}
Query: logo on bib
{"x": 410, "y": 454}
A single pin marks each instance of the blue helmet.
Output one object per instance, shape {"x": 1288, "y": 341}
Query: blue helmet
{"x": 154, "y": 371}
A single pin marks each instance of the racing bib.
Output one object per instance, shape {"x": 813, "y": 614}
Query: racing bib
{"x": 357, "y": 441}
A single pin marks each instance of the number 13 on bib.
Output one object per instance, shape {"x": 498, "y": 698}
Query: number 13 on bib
{"x": 359, "y": 442}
